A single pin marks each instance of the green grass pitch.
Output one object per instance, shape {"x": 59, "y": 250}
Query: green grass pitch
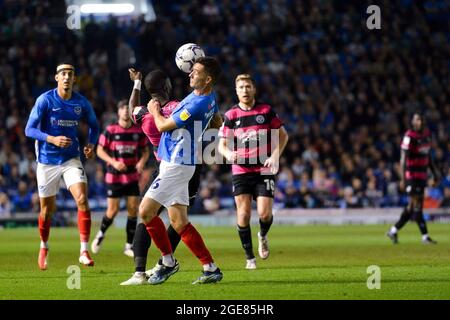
{"x": 306, "y": 262}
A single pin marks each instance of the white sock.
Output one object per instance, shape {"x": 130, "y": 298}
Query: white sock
{"x": 44, "y": 244}
{"x": 128, "y": 246}
{"x": 100, "y": 234}
{"x": 168, "y": 260}
{"x": 424, "y": 236}
{"x": 83, "y": 246}
{"x": 393, "y": 230}
{"x": 139, "y": 273}
{"x": 211, "y": 267}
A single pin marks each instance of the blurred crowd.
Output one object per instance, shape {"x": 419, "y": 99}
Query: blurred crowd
{"x": 344, "y": 92}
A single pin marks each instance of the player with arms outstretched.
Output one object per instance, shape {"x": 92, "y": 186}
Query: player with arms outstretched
{"x": 177, "y": 151}
{"x": 53, "y": 123}
{"x": 242, "y": 138}
{"x": 415, "y": 160}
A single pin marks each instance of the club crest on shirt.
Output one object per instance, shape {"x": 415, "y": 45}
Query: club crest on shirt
{"x": 135, "y": 137}
{"x": 77, "y": 110}
{"x": 260, "y": 119}
{"x": 184, "y": 115}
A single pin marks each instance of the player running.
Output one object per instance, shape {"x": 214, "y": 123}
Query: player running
{"x": 177, "y": 151}
{"x": 245, "y": 136}
{"x": 414, "y": 162}
{"x": 53, "y": 123}
{"x": 123, "y": 146}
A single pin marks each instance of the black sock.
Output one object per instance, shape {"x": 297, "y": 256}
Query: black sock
{"x": 245, "y": 234}
{"x": 265, "y": 226}
{"x": 421, "y": 221}
{"x": 406, "y": 215}
{"x": 174, "y": 239}
{"x": 106, "y": 223}
{"x": 141, "y": 244}
{"x": 131, "y": 228}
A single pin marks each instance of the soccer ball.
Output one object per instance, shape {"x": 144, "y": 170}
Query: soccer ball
{"x": 186, "y": 56}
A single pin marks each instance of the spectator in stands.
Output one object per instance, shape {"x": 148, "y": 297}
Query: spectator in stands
{"x": 345, "y": 94}
{"x": 5, "y": 205}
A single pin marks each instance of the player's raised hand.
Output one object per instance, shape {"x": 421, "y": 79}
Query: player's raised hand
{"x": 89, "y": 151}
{"x": 272, "y": 163}
{"x": 134, "y": 74}
{"x": 119, "y": 166}
{"x": 154, "y": 106}
{"x": 60, "y": 141}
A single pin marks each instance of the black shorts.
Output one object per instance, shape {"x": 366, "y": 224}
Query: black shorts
{"x": 415, "y": 187}
{"x": 119, "y": 190}
{"x": 255, "y": 184}
{"x": 194, "y": 183}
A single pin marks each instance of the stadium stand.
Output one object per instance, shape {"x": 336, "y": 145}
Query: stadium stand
{"x": 344, "y": 92}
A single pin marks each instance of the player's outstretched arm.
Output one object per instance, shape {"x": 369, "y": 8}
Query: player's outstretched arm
{"x": 135, "y": 99}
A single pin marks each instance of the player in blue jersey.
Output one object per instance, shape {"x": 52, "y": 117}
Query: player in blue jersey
{"x": 53, "y": 123}
{"x": 178, "y": 153}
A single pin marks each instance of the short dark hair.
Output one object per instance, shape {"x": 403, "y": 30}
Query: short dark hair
{"x": 212, "y": 67}
{"x": 122, "y": 103}
{"x": 157, "y": 82}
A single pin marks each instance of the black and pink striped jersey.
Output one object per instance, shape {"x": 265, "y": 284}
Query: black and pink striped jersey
{"x": 249, "y": 132}
{"x": 417, "y": 146}
{"x": 145, "y": 121}
{"x": 124, "y": 145}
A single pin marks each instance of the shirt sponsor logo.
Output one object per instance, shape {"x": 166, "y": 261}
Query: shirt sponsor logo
{"x": 63, "y": 123}
{"x": 184, "y": 115}
{"x": 125, "y": 149}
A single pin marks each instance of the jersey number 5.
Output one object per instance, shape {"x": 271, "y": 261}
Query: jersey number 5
{"x": 155, "y": 184}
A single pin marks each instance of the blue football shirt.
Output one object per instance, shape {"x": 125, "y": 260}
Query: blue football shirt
{"x": 52, "y": 115}
{"x": 192, "y": 117}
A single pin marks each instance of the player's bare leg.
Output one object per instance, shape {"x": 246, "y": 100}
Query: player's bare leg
{"x": 48, "y": 208}
{"x": 79, "y": 193}
{"x": 243, "y": 214}
{"x": 194, "y": 241}
{"x": 264, "y": 207}
{"x": 132, "y": 209}
{"x": 148, "y": 212}
{"x": 112, "y": 210}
